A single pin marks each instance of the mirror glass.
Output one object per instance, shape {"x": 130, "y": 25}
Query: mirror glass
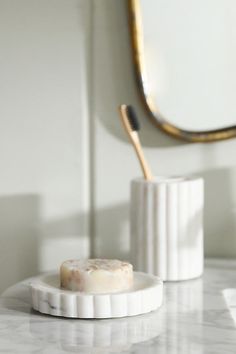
{"x": 189, "y": 54}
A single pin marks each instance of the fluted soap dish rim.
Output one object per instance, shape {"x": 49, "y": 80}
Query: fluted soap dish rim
{"x": 47, "y": 297}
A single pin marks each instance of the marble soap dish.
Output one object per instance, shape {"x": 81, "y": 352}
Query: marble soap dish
{"x": 144, "y": 296}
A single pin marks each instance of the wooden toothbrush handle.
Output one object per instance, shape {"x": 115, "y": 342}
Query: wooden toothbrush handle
{"x": 139, "y": 151}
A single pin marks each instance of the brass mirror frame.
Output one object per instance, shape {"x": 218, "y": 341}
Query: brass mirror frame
{"x": 135, "y": 24}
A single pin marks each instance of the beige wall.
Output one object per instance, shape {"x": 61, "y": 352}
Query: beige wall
{"x": 44, "y": 184}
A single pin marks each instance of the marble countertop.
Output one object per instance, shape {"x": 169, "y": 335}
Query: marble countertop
{"x": 193, "y": 319}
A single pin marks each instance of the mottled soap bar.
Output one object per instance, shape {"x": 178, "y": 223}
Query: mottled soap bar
{"x": 96, "y": 275}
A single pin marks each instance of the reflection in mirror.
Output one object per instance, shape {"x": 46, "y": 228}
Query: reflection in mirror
{"x": 185, "y": 53}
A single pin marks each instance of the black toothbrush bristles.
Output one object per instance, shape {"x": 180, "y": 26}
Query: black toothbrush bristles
{"x": 133, "y": 120}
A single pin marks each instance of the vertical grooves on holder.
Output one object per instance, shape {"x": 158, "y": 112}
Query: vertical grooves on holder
{"x": 155, "y": 231}
{"x": 191, "y": 227}
{"x": 144, "y": 227}
{"x": 134, "y": 226}
{"x": 149, "y": 231}
{"x": 160, "y": 227}
{"x": 172, "y": 231}
{"x": 201, "y": 221}
{"x": 188, "y": 215}
{"x": 155, "y": 234}
{"x": 166, "y": 228}
{"x": 183, "y": 209}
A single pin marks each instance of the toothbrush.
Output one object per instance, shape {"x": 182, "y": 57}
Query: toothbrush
{"x": 131, "y": 125}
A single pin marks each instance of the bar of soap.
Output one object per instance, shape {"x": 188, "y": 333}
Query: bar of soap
{"x": 96, "y": 275}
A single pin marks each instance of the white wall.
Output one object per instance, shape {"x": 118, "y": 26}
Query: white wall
{"x": 115, "y": 163}
{"x": 65, "y": 65}
{"x": 44, "y": 162}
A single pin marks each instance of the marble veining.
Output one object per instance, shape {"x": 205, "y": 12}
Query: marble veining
{"x": 193, "y": 319}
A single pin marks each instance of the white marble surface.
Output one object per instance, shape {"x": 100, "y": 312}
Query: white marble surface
{"x": 193, "y": 319}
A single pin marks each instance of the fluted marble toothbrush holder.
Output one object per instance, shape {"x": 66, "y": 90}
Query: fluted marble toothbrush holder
{"x": 167, "y": 227}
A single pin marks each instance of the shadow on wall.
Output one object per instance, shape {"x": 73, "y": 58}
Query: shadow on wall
{"x": 114, "y": 77}
{"x": 63, "y": 238}
{"x": 22, "y": 232}
{"x": 220, "y": 212}
{"x": 18, "y": 238}
{"x": 29, "y": 245}
{"x": 112, "y": 223}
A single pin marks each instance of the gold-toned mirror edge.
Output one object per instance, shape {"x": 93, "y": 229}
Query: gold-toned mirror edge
{"x": 156, "y": 116}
